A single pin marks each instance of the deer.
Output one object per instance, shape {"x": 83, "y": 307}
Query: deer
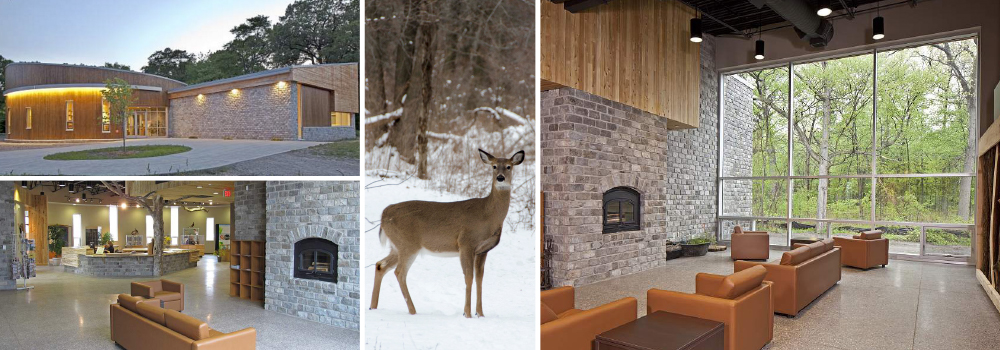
{"x": 470, "y": 228}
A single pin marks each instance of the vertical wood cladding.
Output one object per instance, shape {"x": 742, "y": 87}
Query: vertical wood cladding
{"x": 48, "y": 106}
{"x": 315, "y": 107}
{"x": 48, "y": 114}
{"x": 634, "y": 52}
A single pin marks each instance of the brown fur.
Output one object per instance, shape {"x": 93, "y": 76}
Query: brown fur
{"x": 470, "y": 228}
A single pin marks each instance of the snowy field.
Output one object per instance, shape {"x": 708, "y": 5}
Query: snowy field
{"x": 437, "y": 286}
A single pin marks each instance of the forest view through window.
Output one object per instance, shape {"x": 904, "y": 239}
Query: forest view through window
{"x": 881, "y": 139}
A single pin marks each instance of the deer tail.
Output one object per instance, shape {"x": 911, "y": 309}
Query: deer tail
{"x": 381, "y": 236}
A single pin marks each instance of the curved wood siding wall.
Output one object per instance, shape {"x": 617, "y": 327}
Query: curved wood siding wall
{"x": 48, "y": 106}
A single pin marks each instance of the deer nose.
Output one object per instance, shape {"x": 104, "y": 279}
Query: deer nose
{"x": 500, "y": 178}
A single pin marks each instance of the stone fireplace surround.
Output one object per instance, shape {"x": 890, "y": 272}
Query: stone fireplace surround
{"x": 590, "y": 145}
{"x": 293, "y": 211}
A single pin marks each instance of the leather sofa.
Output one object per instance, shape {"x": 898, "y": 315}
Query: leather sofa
{"x": 801, "y": 276}
{"x": 863, "y": 251}
{"x": 742, "y": 301}
{"x": 749, "y": 245}
{"x": 566, "y": 328}
{"x": 138, "y": 324}
{"x": 169, "y": 292}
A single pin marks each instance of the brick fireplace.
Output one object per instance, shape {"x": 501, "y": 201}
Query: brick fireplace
{"x": 591, "y": 145}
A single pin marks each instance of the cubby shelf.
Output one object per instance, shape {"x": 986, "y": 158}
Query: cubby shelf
{"x": 246, "y": 274}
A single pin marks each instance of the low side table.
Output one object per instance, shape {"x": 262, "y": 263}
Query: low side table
{"x": 663, "y": 330}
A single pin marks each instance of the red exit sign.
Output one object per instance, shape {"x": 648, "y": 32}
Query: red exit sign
{"x": 227, "y": 193}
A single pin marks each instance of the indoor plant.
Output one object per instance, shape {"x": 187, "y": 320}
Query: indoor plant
{"x": 56, "y": 244}
{"x": 698, "y": 245}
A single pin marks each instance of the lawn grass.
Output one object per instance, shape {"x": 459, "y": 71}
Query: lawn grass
{"x": 339, "y": 149}
{"x": 117, "y": 153}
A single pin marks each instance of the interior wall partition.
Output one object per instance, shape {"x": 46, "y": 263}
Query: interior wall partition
{"x": 881, "y": 138}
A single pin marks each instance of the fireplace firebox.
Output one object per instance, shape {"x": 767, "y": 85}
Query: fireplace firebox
{"x": 316, "y": 258}
{"x": 621, "y": 210}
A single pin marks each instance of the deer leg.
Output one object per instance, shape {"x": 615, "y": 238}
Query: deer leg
{"x": 467, "y": 256}
{"x": 480, "y": 268}
{"x": 401, "y": 270}
{"x": 381, "y": 267}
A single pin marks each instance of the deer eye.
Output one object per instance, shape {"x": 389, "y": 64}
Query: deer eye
{"x": 494, "y": 167}
{"x": 508, "y": 167}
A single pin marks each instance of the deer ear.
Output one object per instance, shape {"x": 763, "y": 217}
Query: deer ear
{"x": 517, "y": 158}
{"x": 486, "y": 157}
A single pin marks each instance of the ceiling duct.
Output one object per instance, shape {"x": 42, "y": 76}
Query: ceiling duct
{"x": 803, "y": 16}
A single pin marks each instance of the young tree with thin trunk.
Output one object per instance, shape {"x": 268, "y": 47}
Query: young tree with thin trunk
{"x": 119, "y": 96}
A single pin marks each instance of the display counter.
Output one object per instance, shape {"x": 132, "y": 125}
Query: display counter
{"x": 83, "y": 261}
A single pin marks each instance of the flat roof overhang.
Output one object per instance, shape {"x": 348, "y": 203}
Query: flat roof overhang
{"x": 240, "y": 82}
{"x": 54, "y": 87}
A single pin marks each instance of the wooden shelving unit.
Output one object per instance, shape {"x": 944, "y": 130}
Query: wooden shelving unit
{"x": 988, "y": 219}
{"x": 246, "y": 270}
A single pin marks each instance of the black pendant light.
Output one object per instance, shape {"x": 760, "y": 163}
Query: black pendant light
{"x": 878, "y": 24}
{"x": 696, "y": 28}
{"x": 824, "y": 8}
{"x": 759, "y": 48}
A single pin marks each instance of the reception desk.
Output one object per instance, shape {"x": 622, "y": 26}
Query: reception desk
{"x": 83, "y": 261}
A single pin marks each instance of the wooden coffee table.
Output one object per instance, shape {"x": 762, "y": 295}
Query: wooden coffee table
{"x": 664, "y": 331}
{"x": 804, "y": 240}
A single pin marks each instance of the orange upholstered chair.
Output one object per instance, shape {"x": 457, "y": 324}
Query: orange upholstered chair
{"x": 565, "y": 327}
{"x": 863, "y": 251}
{"x": 742, "y": 301}
{"x": 749, "y": 245}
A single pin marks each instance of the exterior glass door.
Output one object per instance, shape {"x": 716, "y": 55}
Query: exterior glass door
{"x": 147, "y": 122}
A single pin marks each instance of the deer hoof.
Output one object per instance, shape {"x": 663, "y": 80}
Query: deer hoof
{"x": 467, "y": 315}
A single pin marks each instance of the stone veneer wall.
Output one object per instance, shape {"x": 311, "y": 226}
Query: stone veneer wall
{"x": 330, "y": 133}
{"x": 591, "y": 144}
{"x": 737, "y": 147}
{"x": 8, "y": 233}
{"x": 130, "y": 266}
{"x": 262, "y": 112}
{"x": 328, "y": 210}
{"x": 250, "y": 202}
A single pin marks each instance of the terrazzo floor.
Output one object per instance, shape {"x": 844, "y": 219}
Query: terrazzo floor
{"x": 907, "y": 305}
{"x": 66, "y": 311}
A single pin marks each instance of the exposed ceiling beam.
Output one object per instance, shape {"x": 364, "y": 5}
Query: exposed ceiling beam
{"x": 706, "y": 15}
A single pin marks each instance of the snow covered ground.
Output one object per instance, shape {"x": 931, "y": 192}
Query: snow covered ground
{"x": 437, "y": 286}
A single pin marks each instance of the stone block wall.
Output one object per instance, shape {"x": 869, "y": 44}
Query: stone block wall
{"x": 737, "y": 147}
{"x": 129, "y": 266}
{"x": 250, "y": 202}
{"x": 8, "y": 233}
{"x": 263, "y": 112}
{"x": 590, "y": 145}
{"x": 327, "y": 134}
{"x": 310, "y": 209}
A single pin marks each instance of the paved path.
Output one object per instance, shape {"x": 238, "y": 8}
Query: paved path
{"x": 204, "y": 154}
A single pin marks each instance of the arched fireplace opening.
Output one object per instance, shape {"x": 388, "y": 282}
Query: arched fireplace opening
{"x": 316, "y": 258}
{"x": 622, "y": 210}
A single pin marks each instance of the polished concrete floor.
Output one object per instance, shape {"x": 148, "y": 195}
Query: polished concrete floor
{"x": 66, "y": 311}
{"x": 907, "y": 305}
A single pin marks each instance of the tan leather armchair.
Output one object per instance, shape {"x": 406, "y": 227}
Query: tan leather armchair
{"x": 749, "y": 245}
{"x": 802, "y": 275}
{"x": 171, "y": 293}
{"x": 566, "y": 328}
{"x": 742, "y": 301}
{"x": 863, "y": 251}
{"x": 138, "y": 324}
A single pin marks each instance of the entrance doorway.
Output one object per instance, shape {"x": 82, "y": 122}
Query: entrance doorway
{"x": 146, "y": 122}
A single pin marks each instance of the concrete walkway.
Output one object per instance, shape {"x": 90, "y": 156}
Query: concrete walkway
{"x": 204, "y": 154}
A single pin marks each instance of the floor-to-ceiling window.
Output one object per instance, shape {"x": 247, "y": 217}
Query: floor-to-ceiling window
{"x": 880, "y": 139}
